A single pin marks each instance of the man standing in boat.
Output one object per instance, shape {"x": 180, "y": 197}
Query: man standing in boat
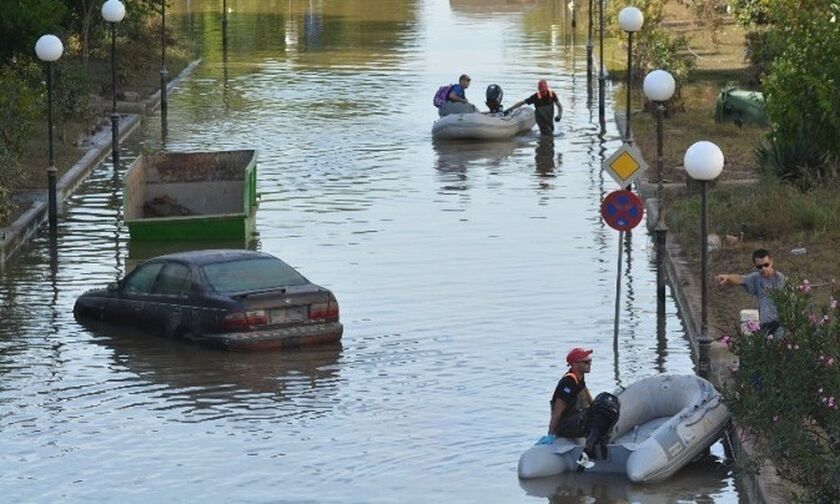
{"x": 543, "y": 101}
{"x": 570, "y": 399}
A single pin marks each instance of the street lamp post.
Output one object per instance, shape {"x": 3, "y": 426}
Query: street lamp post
{"x": 589, "y": 53}
{"x": 113, "y": 11}
{"x": 703, "y": 161}
{"x": 164, "y": 75}
{"x": 630, "y": 19}
{"x": 602, "y": 75}
{"x": 48, "y": 49}
{"x": 659, "y": 87}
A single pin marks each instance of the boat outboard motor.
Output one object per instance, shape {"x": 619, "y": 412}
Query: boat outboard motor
{"x": 600, "y": 419}
{"x": 494, "y": 98}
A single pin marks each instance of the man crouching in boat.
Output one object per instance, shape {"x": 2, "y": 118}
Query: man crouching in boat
{"x": 574, "y": 414}
{"x": 571, "y": 397}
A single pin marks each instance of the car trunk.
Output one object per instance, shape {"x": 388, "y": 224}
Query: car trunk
{"x": 296, "y": 305}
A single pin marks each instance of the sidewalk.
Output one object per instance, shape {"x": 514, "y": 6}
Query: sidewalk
{"x": 16, "y": 236}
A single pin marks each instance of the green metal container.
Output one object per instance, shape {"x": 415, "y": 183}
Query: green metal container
{"x": 191, "y": 196}
{"x": 741, "y": 107}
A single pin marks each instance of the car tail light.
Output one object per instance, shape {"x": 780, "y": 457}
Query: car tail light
{"x": 238, "y": 321}
{"x": 328, "y": 310}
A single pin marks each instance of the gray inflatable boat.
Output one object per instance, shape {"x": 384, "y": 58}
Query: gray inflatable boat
{"x": 665, "y": 422}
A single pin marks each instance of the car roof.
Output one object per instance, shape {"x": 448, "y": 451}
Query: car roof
{"x": 203, "y": 257}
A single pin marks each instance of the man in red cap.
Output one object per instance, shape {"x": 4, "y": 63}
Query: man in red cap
{"x": 568, "y": 408}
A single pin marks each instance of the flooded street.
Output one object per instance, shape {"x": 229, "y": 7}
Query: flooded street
{"x": 464, "y": 273}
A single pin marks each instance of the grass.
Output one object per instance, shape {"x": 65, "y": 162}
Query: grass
{"x": 764, "y": 215}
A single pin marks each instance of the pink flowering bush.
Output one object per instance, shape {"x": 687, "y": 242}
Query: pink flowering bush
{"x": 786, "y": 391}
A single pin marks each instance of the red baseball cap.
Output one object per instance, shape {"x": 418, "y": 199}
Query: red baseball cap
{"x": 577, "y": 355}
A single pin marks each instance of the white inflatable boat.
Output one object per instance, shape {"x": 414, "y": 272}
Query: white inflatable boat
{"x": 665, "y": 422}
{"x": 483, "y": 126}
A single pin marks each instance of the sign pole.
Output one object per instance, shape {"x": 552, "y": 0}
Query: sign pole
{"x": 618, "y": 286}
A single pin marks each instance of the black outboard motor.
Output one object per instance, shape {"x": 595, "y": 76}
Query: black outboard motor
{"x": 600, "y": 419}
{"x": 494, "y": 98}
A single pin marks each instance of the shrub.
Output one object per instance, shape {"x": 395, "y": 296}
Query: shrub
{"x": 71, "y": 98}
{"x": 761, "y": 49}
{"x": 8, "y": 165}
{"x": 802, "y": 100}
{"x": 796, "y": 161}
{"x": 786, "y": 392}
{"x": 19, "y": 103}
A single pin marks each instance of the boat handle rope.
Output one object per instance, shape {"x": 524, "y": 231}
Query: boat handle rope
{"x": 707, "y": 410}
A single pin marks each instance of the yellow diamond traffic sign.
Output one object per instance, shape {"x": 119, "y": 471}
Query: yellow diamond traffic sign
{"x": 625, "y": 165}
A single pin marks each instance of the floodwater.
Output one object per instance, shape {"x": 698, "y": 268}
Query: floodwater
{"x": 464, "y": 274}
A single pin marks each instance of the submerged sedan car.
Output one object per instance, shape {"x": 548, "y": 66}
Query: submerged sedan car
{"x": 236, "y": 299}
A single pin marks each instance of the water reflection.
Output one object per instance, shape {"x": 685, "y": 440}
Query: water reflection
{"x": 544, "y": 158}
{"x": 491, "y": 7}
{"x": 199, "y": 378}
{"x": 700, "y": 483}
{"x": 453, "y": 159}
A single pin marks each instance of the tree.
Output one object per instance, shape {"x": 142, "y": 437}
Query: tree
{"x": 24, "y": 21}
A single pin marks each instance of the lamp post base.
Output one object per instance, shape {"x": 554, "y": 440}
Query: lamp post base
{"x": 602, "y": 85}
{"x": 115, "y": 139}
{"x": 52, "y": 197}
{"x": 661, "y": 233}
{"x": 164, "y": 80}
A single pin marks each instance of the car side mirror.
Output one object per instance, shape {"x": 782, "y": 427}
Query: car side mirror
{"x": 113, "y": 287}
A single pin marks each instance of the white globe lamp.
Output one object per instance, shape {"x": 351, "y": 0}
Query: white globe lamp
{"x": 659, "y": 86}
{"x": 49, "y": 48}
{"x": 113, "y": 11}
{"x": 703, "y": 161}
{"x": 631, "y": 19}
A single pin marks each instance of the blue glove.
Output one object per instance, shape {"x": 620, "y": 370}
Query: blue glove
{"x": 547, "y": 439}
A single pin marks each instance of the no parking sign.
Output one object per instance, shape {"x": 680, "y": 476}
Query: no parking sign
{"x": 622, "y": 210}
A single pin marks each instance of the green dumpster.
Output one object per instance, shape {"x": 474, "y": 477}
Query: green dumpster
{"x": 191, "y": 196}
{"x": 741, "y": 107}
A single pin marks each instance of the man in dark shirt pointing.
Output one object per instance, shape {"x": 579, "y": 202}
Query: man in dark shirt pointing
{"x": 570, "y": 399}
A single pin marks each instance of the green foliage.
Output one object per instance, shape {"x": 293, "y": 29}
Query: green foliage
{"x": 761, "y": 49}
{"x": 786, "y": 391}
{"x": 751, "y": 12}
{"x": 8, "y": 168}
{"x": 653, "y": 46}
{"x": 71, "y": 97}
{"x": 801, "y": 89}
{"x": 19, "y": 103}
{"x": 797, "y": 161}
{"x": 798, "y": 49}
{"x": 24, "y": 21}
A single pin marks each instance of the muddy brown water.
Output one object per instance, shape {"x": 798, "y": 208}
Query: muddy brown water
{"x": 464, "y": 273}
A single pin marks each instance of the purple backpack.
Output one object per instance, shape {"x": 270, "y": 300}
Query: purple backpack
{"x": 442, "y": 95}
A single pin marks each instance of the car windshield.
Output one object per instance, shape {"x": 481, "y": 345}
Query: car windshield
{"x": 252, "y": 275}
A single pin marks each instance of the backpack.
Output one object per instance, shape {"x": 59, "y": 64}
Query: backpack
{"x": 441, "y": 95}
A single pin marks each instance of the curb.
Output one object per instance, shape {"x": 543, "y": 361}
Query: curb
{"x": 765, "y": 486}
{"x": 14, "y": 237}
